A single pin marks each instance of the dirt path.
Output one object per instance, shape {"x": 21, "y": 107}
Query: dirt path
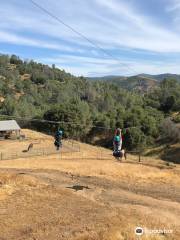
{"x": 86, "y": 195}
{"x": 61, "y": 205}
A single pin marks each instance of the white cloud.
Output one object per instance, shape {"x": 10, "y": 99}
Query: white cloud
{"x": 173, "y": 6}
{"x": 9, "y": 37}
{"x": 79, "y": 65}
{"x": 119, "y": 26}
{"x": 90, "y": 66}
{"x": 141, "y": 32}
{"x": 112, "y": 24}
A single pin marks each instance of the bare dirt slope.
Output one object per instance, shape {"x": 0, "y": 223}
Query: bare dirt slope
{"x": 42, "y": 145}
{"x": 82, "y": 196}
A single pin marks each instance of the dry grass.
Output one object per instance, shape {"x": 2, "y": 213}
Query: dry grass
{"x": 122, "y": 195}
{"x": 86, "y": 163}
{"x": 39, "y": 140}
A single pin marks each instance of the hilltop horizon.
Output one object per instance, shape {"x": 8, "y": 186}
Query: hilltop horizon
{"x": 140, "y": 74}
{"x": 169, "y": 74}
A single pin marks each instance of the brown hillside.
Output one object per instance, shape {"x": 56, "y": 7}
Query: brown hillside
{"x": 86, "y": 195}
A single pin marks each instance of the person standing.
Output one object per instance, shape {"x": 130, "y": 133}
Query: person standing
{"x": 117, "y": 141}
{"x": 58, "y": 139}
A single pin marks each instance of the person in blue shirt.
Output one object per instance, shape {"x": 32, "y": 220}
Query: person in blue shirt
{"x": 117, "y": 141}
{"x": 118, "y": 152}
{"x": 58, "y": 139}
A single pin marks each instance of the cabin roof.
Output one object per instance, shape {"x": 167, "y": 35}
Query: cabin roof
{"x": 9, "y": 125}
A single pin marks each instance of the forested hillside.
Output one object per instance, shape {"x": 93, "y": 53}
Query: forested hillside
{"x": 140, "y": 83}
{"x": 88, "y": 108}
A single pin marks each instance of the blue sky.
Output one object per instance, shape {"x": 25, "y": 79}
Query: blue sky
{"x": 144, "y": 35}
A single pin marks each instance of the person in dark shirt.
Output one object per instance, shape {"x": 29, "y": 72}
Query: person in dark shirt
{"x": 58, "y": 139}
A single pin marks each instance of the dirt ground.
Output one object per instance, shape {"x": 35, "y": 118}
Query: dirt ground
{"x": 88, "y": 196}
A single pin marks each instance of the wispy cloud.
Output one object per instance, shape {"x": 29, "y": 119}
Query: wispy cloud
{"x": 141, "y": 32}
{"x": 93, "y": 66}
{"x": 118, "y": 26}
{"x": 173, "y": 6}
{"x": 9, "y": 37}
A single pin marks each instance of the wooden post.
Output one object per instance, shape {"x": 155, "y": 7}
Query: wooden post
{"x": 125, "y": 155}
{"x": 139, "y": 156}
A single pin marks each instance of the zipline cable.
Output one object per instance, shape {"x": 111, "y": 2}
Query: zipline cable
{"x": 84, "y": 37}
{"x": 60, "y": 122}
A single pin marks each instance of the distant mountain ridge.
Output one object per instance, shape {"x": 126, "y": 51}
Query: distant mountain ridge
{"x": 143, "y": 82}
{"x": 158, "y": 77}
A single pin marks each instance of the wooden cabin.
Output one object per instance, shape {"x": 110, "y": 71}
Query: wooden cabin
{"x": 9, "y": 128}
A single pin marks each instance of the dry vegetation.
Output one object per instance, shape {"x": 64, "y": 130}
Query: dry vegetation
{"x": 86, "y": 195}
